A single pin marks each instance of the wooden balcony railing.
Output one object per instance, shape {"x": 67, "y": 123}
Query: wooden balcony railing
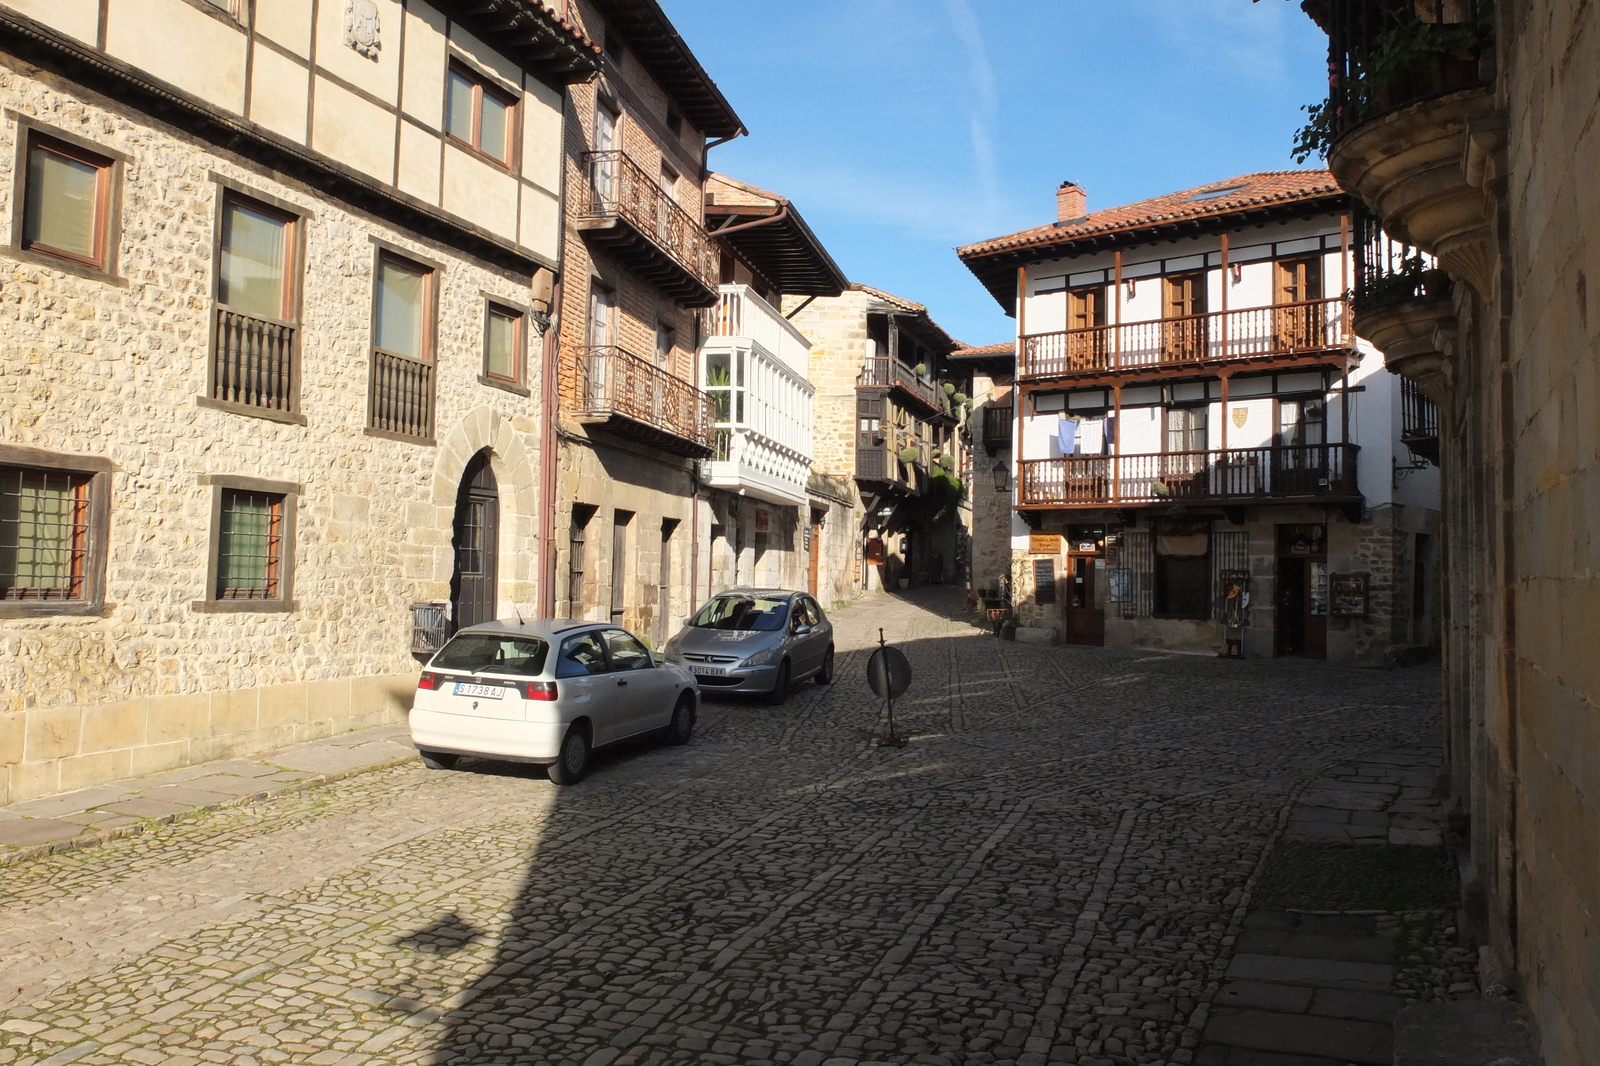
{"x": 613, "y": 382}
{"x": 883, "y": 372}
{"x": 400, "y": 396}
{"x": 620, "y": 188}
{"x": 1198, "y": 340}
{"x": 252, "y": 362}
{"x": 1419, "y": 416}
{"x": 1238, "y": 475}
{"x": 998, "y": 424}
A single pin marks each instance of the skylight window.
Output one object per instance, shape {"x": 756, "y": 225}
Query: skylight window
{"x": 1212, "y": 194}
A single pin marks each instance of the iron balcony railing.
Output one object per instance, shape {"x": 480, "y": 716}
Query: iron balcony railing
{"x": 615, "y": 382}
{"x": 1237, "y": 475}
{"x": 998, "y": 423}
{"x": 400, "y": 395}
{"x": 1197, "y": 340}
{"x": 1390, "y": 272}
{"x": 1419, "y": 416}
{"x": 1386, "y": 54}
{"x": 252, "y": 362}
{"x": 620, "y": 188}
{"x": 883, "y": 372}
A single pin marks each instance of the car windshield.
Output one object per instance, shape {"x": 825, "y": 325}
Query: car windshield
{"x": 758, "y": 614}
{"x": 493, "y": 652}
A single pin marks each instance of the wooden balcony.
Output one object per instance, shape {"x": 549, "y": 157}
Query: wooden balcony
{"x": 1312, "y": 332}
{"x": 634, "y": 398}
{"x": 1310, "y": 473}
{"x": 881, "y": 372}
{"x": 627, "y": 213}
{"x": 1419, "y": 421}
{"x": 998, "y": 424}
{"x": 400, "y": 396}
{"x": 880, "y": 464}
{"x": 253, "y": 363}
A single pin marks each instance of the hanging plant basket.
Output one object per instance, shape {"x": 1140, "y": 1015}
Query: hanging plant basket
{"x": 910, "y": 455}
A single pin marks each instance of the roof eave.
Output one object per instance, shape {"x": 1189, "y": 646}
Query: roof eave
{"x": 670, "y": 60}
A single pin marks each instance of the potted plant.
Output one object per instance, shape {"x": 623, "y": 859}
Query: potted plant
{"x": 910, "y": 455}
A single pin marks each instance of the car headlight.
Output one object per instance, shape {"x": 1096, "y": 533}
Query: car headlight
{"x": 760, "y": 658}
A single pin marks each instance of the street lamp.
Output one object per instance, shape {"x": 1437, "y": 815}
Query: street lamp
{"x": 1002, "y": 477}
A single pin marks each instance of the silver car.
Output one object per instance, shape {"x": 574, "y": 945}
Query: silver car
{"x": 546, "y": 692}
{"x": 755, "y": 641}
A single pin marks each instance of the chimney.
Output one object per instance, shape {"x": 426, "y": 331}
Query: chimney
{"x": 1072, "y": 203}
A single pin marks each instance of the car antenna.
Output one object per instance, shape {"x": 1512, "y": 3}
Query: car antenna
{"x": 518, "y": 609}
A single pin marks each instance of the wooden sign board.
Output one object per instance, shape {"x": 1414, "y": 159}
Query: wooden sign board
{"x": 1347, "y": 595}
{"x": 1044, "y": 543}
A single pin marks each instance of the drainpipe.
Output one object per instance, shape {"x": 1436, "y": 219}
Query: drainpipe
{"x": 723, "y": 231}
{"x": 549, "y": 466}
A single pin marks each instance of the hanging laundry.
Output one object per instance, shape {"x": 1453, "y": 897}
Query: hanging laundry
{"x": 1067, "y": 436}
{"x": 1091, "y": 437}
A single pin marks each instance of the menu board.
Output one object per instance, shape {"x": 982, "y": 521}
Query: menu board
{"x": 1348, "y": 595}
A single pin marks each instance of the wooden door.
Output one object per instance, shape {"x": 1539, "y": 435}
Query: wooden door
{"x": 813, "y": 578}
{"x": 664, "y": 587}
{"x": 1085, "y": 619}
{"x": 476, "y": 536}
{"x": 1184, "y": 329}
{"x": 619, "y": 564}
{"x": 1297, "y": 319}
{"x": 1086, "y": 344}
{"x": 1301, "y": 625}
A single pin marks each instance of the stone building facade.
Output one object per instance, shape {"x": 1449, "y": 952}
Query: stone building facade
{"x": 1203, "y": 455}
{"x": 249, "y": 356}
{"x": 886, "y": 426}
{"x": 1488, "y": 164}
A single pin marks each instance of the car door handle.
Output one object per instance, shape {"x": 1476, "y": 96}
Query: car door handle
{"x": 621, "y": 684}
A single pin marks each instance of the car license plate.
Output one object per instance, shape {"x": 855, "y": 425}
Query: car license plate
{"x": 487, "y": 692}
{"x": 710, "y": 671}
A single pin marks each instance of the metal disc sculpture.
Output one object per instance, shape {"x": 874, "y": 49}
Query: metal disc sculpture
{"x": 889, "y": 674}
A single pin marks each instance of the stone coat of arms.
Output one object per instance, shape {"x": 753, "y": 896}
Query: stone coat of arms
{"x": 361, "y": 27}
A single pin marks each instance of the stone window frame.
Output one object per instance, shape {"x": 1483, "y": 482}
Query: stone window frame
{"x": 98, "y": 470}
{"x": 301, "y": 218}
{"x": 285, "y": 602}
{"x": 382, "y": 249}
{"x": 109, "y": 210}
{"x": 524, "y": 315}
{"x": 483, "y": 84}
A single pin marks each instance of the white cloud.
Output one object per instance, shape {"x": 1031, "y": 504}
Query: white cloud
{"x": 1246, "y": 38}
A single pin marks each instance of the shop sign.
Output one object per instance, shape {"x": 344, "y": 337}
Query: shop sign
{"x": 1348, "y": 593}
{"x": 1044, "y": 543}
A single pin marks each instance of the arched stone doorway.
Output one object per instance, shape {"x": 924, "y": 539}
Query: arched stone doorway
{"x": 474, "y": 579}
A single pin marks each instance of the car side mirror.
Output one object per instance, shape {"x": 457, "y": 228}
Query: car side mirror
{"x": 687, "y": 622}
{"x": 801, "y": 630}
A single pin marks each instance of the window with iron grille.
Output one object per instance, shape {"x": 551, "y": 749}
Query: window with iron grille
{"x": 1230, "y": 552}
{"x": 576, "y": 557}
{"x": 250, "y": 546}
{"x": 44, "y": 535}
{"x": 1139, "y": 559}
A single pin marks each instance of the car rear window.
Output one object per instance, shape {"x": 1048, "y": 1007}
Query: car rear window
{"x": 494, "y": 653}
{"x": 760, "y": 614}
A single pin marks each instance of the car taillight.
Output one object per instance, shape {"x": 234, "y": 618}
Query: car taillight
{"x": 428, "y": 681}
{"x": 542, "y": 690}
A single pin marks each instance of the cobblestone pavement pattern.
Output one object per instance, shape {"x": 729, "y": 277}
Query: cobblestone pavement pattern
{"x": 1054, "y": 870}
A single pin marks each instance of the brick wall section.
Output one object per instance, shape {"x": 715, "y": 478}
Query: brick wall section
{"x": 95, "y": 369}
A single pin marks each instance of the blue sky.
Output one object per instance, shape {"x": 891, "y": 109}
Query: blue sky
{"x": 902, "y": 128}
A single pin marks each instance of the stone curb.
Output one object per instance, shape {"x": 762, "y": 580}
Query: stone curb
{"x": 85, "y": 841}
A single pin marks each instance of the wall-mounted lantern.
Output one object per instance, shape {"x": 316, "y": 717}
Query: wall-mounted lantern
{"x": 1002, "y": 477}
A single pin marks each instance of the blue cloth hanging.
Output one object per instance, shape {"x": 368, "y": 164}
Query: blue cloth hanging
{"x": 1067, "y": 436}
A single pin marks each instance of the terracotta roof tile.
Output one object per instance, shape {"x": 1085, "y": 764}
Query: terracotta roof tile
{"x": 1003, "y": 348}
{"x": 917, "y": 309}
{"x": 1219, "y": 198}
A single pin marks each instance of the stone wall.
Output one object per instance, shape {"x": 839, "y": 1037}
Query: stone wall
{"x": 1547, "y": 741}
{"x": 112, "y": 370}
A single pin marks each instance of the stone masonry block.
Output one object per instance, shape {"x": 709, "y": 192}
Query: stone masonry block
{"x": 111, "y": 726}
{"x": 233, "y": 712}
{"x": 175, "y": 718}
{"x": 83, "y": 771}
{"x": 283, "y": 705}
{"x": 52, "y": 733}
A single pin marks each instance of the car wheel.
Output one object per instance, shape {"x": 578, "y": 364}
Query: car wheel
{"x": 682, "y": 727}
{"x": 438, "y": 760}
{"x": 573, "y": 762}
{"x": 780, "y": 691}
{"x": 825, "y": 675}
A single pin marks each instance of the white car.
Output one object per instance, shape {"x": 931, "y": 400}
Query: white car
{"x": 546, "y": 692}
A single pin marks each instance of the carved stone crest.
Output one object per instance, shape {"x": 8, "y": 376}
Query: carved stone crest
{"x": 361, "y": 27}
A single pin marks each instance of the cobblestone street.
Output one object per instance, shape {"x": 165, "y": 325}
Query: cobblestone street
{"x": 1056, "y": 869}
